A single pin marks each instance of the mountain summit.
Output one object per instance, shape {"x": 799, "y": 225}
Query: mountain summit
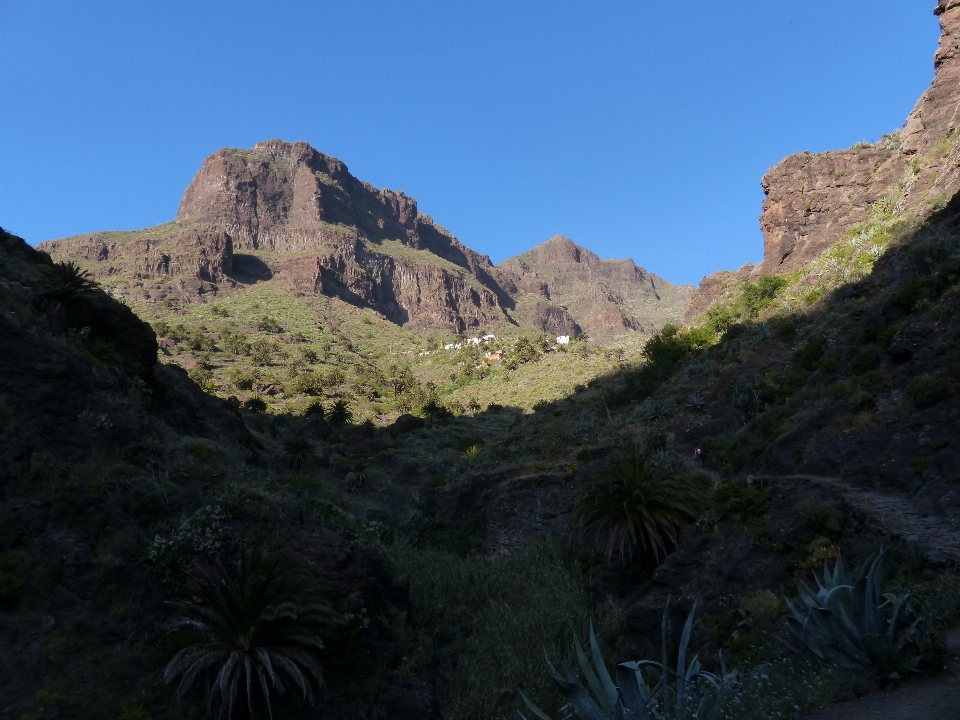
{"x": 607, "y": 297}
{"x": 286, "y": 214}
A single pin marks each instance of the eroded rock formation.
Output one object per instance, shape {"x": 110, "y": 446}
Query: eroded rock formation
{"x": 287, "y": 214}
{"x": 814, "y": 200}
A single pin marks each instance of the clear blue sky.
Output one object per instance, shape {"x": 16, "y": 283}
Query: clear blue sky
{"x": 639, "y": 129}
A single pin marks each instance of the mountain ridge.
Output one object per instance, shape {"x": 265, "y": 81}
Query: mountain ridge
{"x": 603, "y": 294}
{"x": 289, "y": 214}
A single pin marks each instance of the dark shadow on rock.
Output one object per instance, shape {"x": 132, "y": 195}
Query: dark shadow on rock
{"x": 250, "y": 269}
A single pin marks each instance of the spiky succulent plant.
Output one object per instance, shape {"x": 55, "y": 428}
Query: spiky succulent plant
{"x": 849, "y": 621}
{"x": 696, "y": 402}
{"x": 683, "y": 693}
{"x": 339, "y": 413}
{"x": 296, "y": 450}
{"x": 658, "y": 411}
{"x": 64, "y": 281}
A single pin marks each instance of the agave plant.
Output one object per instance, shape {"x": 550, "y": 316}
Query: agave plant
{"x": 850, "y": 622}
{"x": 684, "y": 693}
{"x": 471, "y": 454}
{"x": 640, "y": 500}
{"x": 658, "y": 411}
{"x": 64, "y": 281}
{"x": 255, "y": 632}
{"x": 696, "y": 402}
{"x": 339, "y": 413}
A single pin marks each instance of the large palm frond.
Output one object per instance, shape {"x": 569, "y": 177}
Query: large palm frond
{"x": 64, "y": 281}
{"x": 253, "y": 631}
{"x": 640, "y": 500}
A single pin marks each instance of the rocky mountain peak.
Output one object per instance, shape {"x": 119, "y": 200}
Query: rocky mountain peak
{"x": 561, "y": 250}
{"x": 607, "y": 297}
{"x": 936, "y": 111}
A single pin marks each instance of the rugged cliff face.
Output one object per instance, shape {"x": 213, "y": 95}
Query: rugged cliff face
{"x": 814, "y": 200}
{"x": 287, "y": 214}
{"x": 607, "y": 297}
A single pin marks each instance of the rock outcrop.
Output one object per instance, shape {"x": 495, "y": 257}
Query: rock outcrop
{"x": 814, "y": 200}
{"x": 607, "y": 297}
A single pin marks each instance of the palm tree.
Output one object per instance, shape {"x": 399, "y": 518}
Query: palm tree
{"x": 65, "y": 281}
{"x": 315, "y": 408}
{"x": 339, "y": 413}
{"x": 296, "y": 449}
{"x": 640, "y": 500}
{"x": 256, "y": 631}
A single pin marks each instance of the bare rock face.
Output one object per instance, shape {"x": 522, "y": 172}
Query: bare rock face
{"x": 605, "y": 297}
{"x": 814, "y": 200}
{"x": 200, "y": 253}
{"x": 936, "y": 111}
{"x": 286, "y": 213}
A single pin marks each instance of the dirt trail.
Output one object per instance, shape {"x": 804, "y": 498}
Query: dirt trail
{"x": 930, "y": 698}
{"x": 894, "y": 514}
{"x": 921, "y": 699}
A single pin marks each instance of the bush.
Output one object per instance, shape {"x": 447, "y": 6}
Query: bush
{"x": 268, "y": 324}
{"x": 261, "y": 352}
{"x": 335, "y": 378}
{"x": 255, "y": 404}
{"x": 663, "y": 356}
{"x": 200, "y": 374}
{"x": 865, "y": 360}
{"x": 740, "y": 502}
{"x": 755, "y": 297}
{"x": 235, "y": 343}
{"x": 808, "y": 355}
{"x": 435, "y": 409}
{"x": 926, "y": 390}
{"x": 915, "y": 291}
{"x": 13, "y": 568}
{"x": 499, "y": 615}
{"x": 308, "y": 383}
